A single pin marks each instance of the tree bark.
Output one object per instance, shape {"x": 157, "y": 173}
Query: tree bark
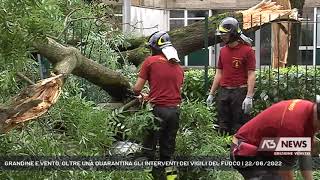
{"x": 69, "y": 60}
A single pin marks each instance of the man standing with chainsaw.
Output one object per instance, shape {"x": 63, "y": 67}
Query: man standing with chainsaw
{"x": 290, "y": 118}
{"x": 234, "y": 78}
{"x": 165, "y": 78}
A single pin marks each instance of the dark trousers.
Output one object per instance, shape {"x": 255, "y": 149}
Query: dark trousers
{"x": 229, "y": 106}
{"x": 167, "y": 121}
{"x": 252, "y": 172}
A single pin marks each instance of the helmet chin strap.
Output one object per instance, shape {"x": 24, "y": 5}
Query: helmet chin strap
{"x": 233, "y": 39}
{"x": 230, "y": 41}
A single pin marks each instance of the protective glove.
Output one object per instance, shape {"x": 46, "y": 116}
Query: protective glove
{"x": 247, "y": 104}
{"x": 210, "y": 99}
{"x": 317, "y": 98}
{"x": 142, "y": 97}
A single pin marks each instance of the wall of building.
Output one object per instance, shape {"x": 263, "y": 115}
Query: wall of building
{"x": 145, "y": 21}
{"x": 312, "y": 3}
{"x": 206, "y": 4}
{"x": 114, "y": 2}
{"x": 200, "y": 4}
{"x": 211, "y": 4}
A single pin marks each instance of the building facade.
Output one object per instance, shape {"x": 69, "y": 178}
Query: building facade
{"x": 147, "y": 16}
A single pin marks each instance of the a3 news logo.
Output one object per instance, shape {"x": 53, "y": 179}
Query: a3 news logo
{"x": 286, "y": 145}
{"x": 269, "y": 144}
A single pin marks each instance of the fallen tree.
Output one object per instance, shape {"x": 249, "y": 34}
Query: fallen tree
{"x": 32, "y": 102}
{"x": 191, "y": 38}
{"x": 69, "y": 60}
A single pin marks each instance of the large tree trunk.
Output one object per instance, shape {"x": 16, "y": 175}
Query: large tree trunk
{"x": 67, "y": 60}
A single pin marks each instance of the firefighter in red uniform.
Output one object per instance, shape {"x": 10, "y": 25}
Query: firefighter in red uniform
{"x": 234, "y": 78}
{"x": 165, "y": 78}
{"x": 289, "y": 118}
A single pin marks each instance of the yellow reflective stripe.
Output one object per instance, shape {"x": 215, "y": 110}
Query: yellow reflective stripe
{"x": 239, "y": 30}
{"x": 222, "y": 29}
{"x": 172, "y": 177}
{"x": 160, "y": 42}
{"x": 293, "y": 104}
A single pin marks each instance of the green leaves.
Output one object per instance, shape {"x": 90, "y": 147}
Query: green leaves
{"x": 194, "y": 84}
{"x": 271, "y": 86}
{"x": 90, "y": 27}
{"x": 289, "y": 83}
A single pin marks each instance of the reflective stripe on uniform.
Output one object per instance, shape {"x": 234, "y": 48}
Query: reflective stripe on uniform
{"x": 171, "y": 172}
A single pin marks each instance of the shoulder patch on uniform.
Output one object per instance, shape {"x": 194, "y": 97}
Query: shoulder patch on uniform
{"x": 293, "y": 104}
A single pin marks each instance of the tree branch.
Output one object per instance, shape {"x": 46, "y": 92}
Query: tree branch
{"x": 69, "y": 60}
{"x": 25, "y": 78}
{"x": 66, "y": 24}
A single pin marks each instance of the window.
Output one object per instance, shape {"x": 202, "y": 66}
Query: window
{"x": 177, "y": 14}
{"x": 265, "y": 45}
{"x": 191, "y": 21}
{"x": 197, "y": 13}
{"x": 306, "y": 36}
{"x": 318, "y": 27}
{"x": 117, "y": 10}
{"x": 306, "y": 57}
{"x": 177, "y": 20}
{"x": 176, "y": 24}
{"x": 180, "y": 18}
{"x": 307, "y": 33}
{"x": 305, "y": 43}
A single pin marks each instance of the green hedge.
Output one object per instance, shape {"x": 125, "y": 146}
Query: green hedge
{"x": 272, "y": 85}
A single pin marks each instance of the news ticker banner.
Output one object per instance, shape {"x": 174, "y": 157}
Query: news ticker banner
{"x": 123, "y": 163}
